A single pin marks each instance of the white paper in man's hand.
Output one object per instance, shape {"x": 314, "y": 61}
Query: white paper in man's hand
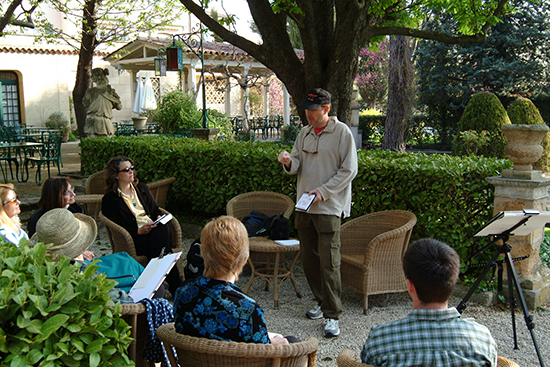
{"x": 305, "y": 202}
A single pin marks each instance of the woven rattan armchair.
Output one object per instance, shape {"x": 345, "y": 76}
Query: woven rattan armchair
{"x": 135, "y": 315}
{"x": 347, "y": 358}
{"x": 203, "y": 352}
{"x": 267, "y": 202}
{"x": 95, "y": 184}
{"x": 159, "y": 189}
{"x": 372, "y": 247}
{"x": 121, "y": 240}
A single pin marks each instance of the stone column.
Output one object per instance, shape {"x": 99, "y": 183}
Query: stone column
{"x": 516, "y": 191}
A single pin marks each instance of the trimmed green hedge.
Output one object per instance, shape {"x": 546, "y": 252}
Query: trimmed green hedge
{"x": 449, "y": 195}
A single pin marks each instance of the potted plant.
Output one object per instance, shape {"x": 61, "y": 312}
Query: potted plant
{"x": 524, "y": 134}
{"x": 55, "y": 315}
{"x": 57, "y": 120}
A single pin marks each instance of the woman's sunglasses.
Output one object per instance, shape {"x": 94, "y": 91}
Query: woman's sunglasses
{"x": 128, "y": 169}
{"x": 12, "y": 201}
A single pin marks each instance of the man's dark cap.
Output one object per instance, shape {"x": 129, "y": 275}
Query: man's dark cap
{"x": 315, "y": 98}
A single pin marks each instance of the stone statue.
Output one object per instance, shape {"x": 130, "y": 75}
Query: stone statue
{"x": 99, "y": 102}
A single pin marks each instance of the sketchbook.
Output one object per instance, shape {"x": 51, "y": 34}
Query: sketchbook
{"x": 503, "y": 221}
{"x": 305, "y": 202}
{"x": 152, "y": 277}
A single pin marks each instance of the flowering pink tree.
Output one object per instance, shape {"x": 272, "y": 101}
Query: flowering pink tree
{"x": 275, "y": 96}
{"x": 372, "y": 75}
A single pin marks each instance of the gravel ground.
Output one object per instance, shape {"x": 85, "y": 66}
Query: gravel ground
{"x": 290, "y": 318}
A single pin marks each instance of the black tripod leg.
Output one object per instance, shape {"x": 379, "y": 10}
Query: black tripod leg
{"x": 512, "y": 302}
{"x": 528, "y": 318}
{"x": 462, "y": 305}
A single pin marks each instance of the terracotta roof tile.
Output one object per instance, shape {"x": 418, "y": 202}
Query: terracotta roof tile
{"x": 43, "y": 51}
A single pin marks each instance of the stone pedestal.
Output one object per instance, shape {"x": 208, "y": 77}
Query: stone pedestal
{"x": 514, "y": 194}
{"x": 205, "y": 134}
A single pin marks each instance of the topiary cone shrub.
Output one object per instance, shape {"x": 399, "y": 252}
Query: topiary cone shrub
{"x": 523, "y": 111}
{"x": 177, "y": 111}
{"x": 484, "y": 112}
{"x": 51, "y": 314}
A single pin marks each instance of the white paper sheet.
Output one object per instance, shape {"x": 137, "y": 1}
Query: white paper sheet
{"x": 152, "y": 277}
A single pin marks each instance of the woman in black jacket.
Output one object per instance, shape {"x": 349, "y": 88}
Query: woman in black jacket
{"x": 130, "y": 204}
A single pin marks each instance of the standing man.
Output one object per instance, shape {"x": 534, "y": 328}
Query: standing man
{"x": 325, "y": 159}
{"x": 432, "y": 334}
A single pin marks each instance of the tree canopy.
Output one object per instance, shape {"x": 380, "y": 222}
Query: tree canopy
{"x": 334, "y": 31}
{"x": 512, "y": 61}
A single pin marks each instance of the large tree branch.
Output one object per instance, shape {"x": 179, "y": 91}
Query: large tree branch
{"x": 7, "y": 17}
{"x": 429, "y": 35}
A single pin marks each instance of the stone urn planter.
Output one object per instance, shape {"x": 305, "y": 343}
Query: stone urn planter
{"x": 205, "y": 134}
{"x": 524, "y": 144}
{"x": 139, "y": 122}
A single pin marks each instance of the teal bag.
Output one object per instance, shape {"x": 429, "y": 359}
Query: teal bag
{"x": 121, "y": 267}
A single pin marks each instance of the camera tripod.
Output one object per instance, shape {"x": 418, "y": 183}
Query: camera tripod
{"x": 513, "y": 281}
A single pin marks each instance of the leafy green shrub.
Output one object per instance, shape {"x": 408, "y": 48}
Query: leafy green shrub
{"x": 221, "y": 121}
{"x": 372, "y": 128}
{"x": 474, "y": 141}
{"x": 523, "y": 111}
{"x": 51, "y": 314}
{"x": 290, "y": 133}
{"x": 483, "y": 112}
{"x": 177, "y": 111}
{"x": 449, "y": 195}
{"x": 57, "y": 120}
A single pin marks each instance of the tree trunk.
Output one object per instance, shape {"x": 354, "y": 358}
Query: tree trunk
{"x": 400, "y": 93}
{"x": 84, "y": 68}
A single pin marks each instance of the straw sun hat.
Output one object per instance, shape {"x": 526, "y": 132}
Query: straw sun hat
{"x": 71, "y": 234}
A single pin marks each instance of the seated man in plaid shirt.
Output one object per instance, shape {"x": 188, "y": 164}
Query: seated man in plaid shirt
{"x": 432, "y": 334}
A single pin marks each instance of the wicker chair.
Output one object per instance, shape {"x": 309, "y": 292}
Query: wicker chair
{"x": 159, "y": 189}
{"x": 197, "y": 352}
{"x": 372, "y": 247}
{"x": 135, "y": 315}
{"x": 347, "y": 358}
{"x": 121, "y": 240}
{"x": 95, "y": 184}
{"x": 267, "y": 202}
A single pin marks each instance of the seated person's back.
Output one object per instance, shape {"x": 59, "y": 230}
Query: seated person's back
{"x": 432, "y": 334}
{"x": 212, "y": 306}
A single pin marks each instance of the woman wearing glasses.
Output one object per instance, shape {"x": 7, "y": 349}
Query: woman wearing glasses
{"x": 130, "y": 204}
{"x": 10, "y": 226}
{"x": 57, "y": 192}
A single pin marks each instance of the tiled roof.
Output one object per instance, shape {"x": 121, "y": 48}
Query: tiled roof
{"x": 43, "y": 51}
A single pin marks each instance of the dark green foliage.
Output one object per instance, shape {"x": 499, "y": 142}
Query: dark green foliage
{"x": 523, "y": 112}
{"x": 177, "y": 111}
{"x": 51, "y": 314}
{"x": 512, "y": 61}
{"x": 484, "y": 112}
{"x": 449, "y": 195}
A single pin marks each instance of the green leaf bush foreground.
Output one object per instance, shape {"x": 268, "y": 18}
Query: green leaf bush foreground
{"x": 449, "y": 195}
{"x": 51, "y": 314}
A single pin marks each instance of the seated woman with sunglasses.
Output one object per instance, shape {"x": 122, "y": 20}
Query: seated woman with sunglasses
{"x": 130, "y": 204}
{"x": 57, "y": 192}
{"x": 10, "y": 226}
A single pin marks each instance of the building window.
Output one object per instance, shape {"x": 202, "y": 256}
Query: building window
{"x": 11, "y": 110}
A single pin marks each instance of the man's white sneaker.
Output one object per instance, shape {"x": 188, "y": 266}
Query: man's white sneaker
{"x": 315, "y": 313}
{"x": 331, "y": 328}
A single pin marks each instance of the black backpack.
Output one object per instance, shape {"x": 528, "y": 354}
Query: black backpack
{"x": 195, "y": 262}
{"x": 259, "y": 224}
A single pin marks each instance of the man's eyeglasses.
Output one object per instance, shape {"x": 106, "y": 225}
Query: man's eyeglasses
{"x": 69, "y": 193}
{"x": 128, "y": 169}
{"x": 12, "y": 201}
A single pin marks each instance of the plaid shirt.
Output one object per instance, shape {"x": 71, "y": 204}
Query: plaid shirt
{"x": 430, "y": 338}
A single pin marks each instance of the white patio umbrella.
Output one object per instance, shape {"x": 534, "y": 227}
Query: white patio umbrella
{"x": 149, "y": 101}
{"x": 138, "y": 100}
